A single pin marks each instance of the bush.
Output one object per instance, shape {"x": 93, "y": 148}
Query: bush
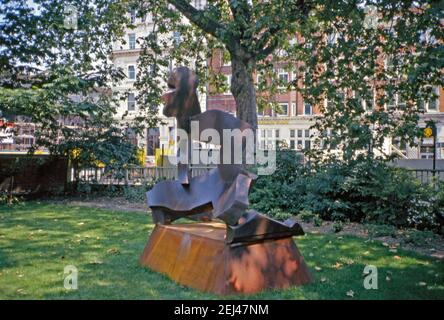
{"x": 134, "y": 193}
{"x": 8, "y": 199}
{"x": 361, "y": 191}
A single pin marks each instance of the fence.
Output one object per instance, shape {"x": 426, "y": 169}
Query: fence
{"x": 141, "y": 175}
{"x": 133, "y": 175}
{"x": 427, "y": 176}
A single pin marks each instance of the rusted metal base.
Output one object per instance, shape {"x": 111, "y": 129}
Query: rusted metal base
{"x": 196, "y": 255}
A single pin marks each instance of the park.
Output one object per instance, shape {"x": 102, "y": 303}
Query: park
{"x": 194, "y": 150}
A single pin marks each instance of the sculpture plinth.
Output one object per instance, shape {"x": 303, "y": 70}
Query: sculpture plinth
{"x": 196, "y": 255}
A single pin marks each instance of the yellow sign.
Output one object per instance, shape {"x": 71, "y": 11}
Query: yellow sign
{"x": 428, "y": 132}
{"x": 273, "y": 121}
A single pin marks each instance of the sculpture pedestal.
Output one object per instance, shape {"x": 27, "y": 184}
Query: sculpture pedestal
{"x": 196, "y": 255}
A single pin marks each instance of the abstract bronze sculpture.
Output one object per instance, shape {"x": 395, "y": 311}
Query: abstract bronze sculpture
{"x": 221, "y": 193}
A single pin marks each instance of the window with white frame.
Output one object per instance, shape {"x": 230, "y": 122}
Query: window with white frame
{"x": 396, "y": 101}
{"x": 228, "y": 84}
{"x": 389, "y": 65}
{"x": 131, "y": 102}
{"x": 177, "y": 37}
{"x": 308, "y": 109}
{"x": 300, "y": 139}
{"x": 432, "y": 105}
{"x": 283, "y": 76}
{"x": 132, "y": 41}
{"x": 282, "y": 109}
{"x": 132, "y": 72}
{"x": 133, "y": 15}
{"x": 198, "y": 4}
{"x": 332, "y": 38}
{"x": 367, "y": 101}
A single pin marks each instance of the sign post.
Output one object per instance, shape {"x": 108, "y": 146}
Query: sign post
{"x": 431, "y": 132}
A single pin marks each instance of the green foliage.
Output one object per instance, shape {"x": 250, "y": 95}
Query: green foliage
{"x": 337, "y": 226}
{"x": 380, "y": 230}
{"x": 420, "y": 238}
{"x": 7, "y": 199}
{"x": 306, "y": 215}
{"x": 133, "y": 193}
{"x": 360, "y": 191}
{"x": 317, "y": 221}
{"x": 60, "y": 78}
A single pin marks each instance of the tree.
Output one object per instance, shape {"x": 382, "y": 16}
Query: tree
{"x": 335, "y": 47}
{"x": 55, "y": 71}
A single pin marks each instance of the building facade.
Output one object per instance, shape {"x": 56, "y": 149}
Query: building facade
{"x": 158, "y": 141}
{"x": 291, "y": 125}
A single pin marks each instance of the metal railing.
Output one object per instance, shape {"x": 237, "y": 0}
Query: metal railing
{"x": 427, "y": 176}
{"x": 133, "y": 175}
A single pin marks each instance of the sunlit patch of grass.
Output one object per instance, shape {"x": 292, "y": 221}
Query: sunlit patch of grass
{"x": 37, "y": 241}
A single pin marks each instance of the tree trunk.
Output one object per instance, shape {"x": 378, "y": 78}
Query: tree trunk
{"x": 243, "y": 90}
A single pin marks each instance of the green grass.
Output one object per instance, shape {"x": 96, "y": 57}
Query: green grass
{"x": 38, "y": 240}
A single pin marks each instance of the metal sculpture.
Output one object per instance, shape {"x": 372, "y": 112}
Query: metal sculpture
{"x": 221, "y": 193}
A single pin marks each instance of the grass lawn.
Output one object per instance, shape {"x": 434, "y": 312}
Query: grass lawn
{"x": 38, "y": 240}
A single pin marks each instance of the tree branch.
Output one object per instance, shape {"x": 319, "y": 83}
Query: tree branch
{"x": 198, "y": 18}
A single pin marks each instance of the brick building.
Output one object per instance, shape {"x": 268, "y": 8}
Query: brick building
{"x": 292, "y": 124}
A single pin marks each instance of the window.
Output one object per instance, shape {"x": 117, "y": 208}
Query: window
{"x": 283, "y": 77}
{"x": 307, "y": 144}
{"x": 396, "y": 101}
{"x": 263, "y": 144}
{"x": 228, "y": 84}
{"x": 152, "y": 69}
{"x": 132, "y": 41}
{"x": 153, "y": 141}
{"x": 177, "y": 38}
{"x": 263, "y": 133}
{"x": 308, "y": 110}
{"x": 332, "y": 38}
{"x": 299, "y": 145}
{"x": 432, "y": 104}
{"x": 283, "y": 109}
{"x": 307, "y": 133}
{"x": 277, "y": 133}
{"x": 133, "y": 16}
{"x": 292, "y": 144}
{"x": 198, "y": 4}
{"x": 269, "y": 133}
{"x": 131, "y": 73}
{"x": 401, "y": 102}
{"x": 389, "y": 63}
{"x": 299, "y": 133}
{"x": 292, "y": 133}
{"x": 391, "y": 104}
{"x": 131, "y": 102}
{"x": 367, "y": 102}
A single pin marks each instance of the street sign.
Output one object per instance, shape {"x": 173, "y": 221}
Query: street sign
{"x": 428, "y": 132}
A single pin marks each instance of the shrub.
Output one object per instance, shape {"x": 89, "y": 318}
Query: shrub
{"x": 360, "y": 191}
{"x": 337, "y": 226}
